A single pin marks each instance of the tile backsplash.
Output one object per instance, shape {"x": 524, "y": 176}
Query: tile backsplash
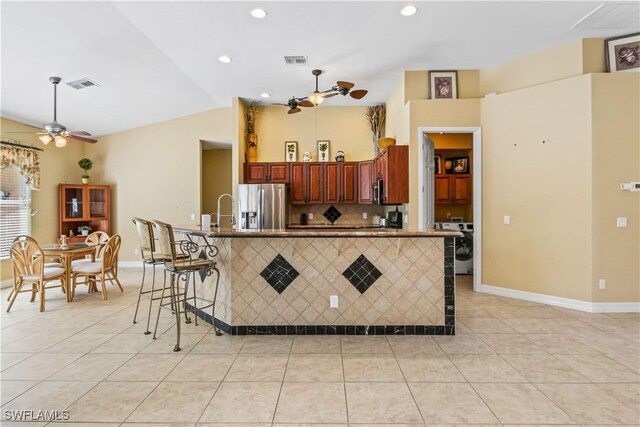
{"x": 349, "y": 214}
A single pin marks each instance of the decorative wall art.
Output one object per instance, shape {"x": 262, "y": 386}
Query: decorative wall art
{"x": 323, "y": 150}
{"x": 623, "y": 53}
{"x": 291, "y": 151}
{"x": 443, "y": 84}
{"x": 459, "y": 164}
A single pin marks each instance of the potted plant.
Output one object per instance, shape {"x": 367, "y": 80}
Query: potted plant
{"x": 84, "y": 230}
{"x": 85, "y": 164}
{"x": 252, "y": 139}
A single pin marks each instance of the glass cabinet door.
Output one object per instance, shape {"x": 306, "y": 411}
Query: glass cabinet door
{"x": 73, "y": 203}
{"x": 97, "y": 203}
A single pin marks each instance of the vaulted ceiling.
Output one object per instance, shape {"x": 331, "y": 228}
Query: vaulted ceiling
{"x": 159, "y": 60}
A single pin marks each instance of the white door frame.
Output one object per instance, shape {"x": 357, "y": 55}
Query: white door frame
{"x": 477, "y": 190}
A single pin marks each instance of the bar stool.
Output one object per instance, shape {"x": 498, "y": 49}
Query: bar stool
{"x": 150, "y": 257}
{"x": 183, "y": 269}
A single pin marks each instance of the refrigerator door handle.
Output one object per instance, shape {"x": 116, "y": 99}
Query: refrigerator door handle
{"x": 261, "y": 209}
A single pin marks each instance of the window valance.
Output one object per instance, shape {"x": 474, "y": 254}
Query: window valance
{"x": 25, "y": 158}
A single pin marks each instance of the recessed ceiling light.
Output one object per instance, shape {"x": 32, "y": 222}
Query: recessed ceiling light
{"x": 265, "y": 95}
{"x": 258, "y": 13}
{"x": 224, "y": 59}
{"x": 408, "y": 10}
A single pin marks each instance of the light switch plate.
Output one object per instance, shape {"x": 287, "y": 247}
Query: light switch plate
{"x": 507, "y": 219}
{"x": 193, "y": 217}
{"x": 621, "y": 221}
{"x": 602, "y": 284}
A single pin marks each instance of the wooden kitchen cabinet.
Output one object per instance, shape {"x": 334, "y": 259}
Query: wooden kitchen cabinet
{"x": 272, "y": 173}
{"x": 340, "y": 182}
{"x": 452, "y": 189}
{"x": 306, "y": 181}
{"x": 84, "y": 205}
{"x": 366, "y": 180}
{"x": 392, "y": 167}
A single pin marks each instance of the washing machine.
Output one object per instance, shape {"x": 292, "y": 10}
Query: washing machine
{"x": 464, "y": 245}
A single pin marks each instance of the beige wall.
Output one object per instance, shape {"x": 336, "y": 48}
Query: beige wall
{"x": 154, "y": 171}
{"x": 568, "y": 60}
{"x": 416, "y": 84}
{"x": 616, "y": 159}
{"x": 537, "y": 169}
{"x": 57, "y": 166}
{"x": 395, "y": 110}
{"x": 346, "y": 128}
{"x": 216, "y": 180}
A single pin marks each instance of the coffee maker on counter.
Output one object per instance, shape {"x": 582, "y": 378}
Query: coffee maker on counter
{"x": 394, "y": 219}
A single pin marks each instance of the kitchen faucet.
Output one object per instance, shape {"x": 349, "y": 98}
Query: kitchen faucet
{"x": 233, "y": 218}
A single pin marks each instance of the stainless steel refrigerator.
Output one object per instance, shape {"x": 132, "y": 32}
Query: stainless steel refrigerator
{"x": 262, "y": 207}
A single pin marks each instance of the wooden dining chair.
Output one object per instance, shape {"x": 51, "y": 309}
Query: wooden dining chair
{"x": 28, "y": 264}
{"x": 99, "y": 271}
{"x": 98, "y": 238}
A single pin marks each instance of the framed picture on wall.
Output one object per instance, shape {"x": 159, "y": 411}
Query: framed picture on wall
{"x": 459, "y": 164}
{"x": 291, "y": 151}
{"x": 623, "y": 53}
{"x": 323, "y": 150}
{"x": 443, "y": 84}
{"x": 437, "y": 164}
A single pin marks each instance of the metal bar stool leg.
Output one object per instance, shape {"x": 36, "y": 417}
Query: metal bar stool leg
{"x": 195, "y": 306}
{"x": 144, "y": 271}
{"x": 164, "y": 288}
{"x": 187, "y": 319}
{"x": 215, "y": 297}
{"x": 174, "y": 293}
{"x": 152, "y": 293}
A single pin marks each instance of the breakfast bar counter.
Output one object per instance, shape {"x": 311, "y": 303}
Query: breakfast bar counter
{"x": 287, "y": 282}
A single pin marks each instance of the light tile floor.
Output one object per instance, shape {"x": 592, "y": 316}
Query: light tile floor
{"x": 511, "y": 362}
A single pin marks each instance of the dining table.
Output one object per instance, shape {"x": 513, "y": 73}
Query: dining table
{"x": 68, "y": 254}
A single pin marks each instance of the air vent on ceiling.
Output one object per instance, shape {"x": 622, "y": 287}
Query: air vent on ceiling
{"x": 620, "y": 15}
{"x": 295, "y": 60}
{"x": 82, "y": 83}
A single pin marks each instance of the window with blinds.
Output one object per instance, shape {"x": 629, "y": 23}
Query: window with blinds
{"x": 15, "y": 208}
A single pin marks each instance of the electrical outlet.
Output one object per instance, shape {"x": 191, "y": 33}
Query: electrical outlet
{"x": 602, "y": 284}
{"x": 310, "y": 215}
{"x": 507, "y": 219}
{"x": 136, "y": 251}
{"x": 364, "y": 215}
{"x": 621, "y": 221}
{"x": 193, "y": 217}
{"x": 333, "y": 301}
{"x": 406, "y": 218}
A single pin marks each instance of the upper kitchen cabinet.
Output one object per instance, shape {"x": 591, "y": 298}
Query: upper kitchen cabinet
{"x": 273, "y": 173}
{"x": 366, "y": 180}
{"x": 307, "y": 182}
{"x": 340, "y": 182}
{"x": 392, "y": 172}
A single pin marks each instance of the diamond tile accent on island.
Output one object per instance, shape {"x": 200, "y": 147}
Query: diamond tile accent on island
{"x": 332, "y": 214}
{"x": 362, "y": 274}
{"x": 279, "y": 274}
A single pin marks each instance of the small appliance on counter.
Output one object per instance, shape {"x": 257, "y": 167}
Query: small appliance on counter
{"x": 304, "y": 219}
{"x": 262, "y": 206}
{"x": 394, "y": 219}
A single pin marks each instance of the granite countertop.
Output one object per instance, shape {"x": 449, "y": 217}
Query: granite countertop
{"x": 302, "y": 233}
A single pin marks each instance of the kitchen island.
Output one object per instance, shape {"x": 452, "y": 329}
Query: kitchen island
{"x": 281, "y": 282}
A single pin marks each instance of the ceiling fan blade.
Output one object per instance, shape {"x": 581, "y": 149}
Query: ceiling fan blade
{"x": 358, "y": 94}
{"x": 81, "y": 138}
{"x": 306, "y": 103}
{"x": 79, "y": 132}
{"x": 347, "y": 85}
{"x": 293, "y": 110}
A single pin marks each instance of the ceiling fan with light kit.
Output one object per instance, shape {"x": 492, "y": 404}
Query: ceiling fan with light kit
{"x": 341, "y": 88}
{"x": 54, "y": 131}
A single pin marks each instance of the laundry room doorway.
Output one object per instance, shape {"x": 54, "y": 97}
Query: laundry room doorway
{"x": 450, "y": 193}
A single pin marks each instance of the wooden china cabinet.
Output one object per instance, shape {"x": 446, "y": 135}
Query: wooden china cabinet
{"x": 84, "y": 205}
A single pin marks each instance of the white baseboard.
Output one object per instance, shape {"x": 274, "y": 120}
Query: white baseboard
{"x": 590, "y": 307}
{"x": 6, "y": 283}
{"x": 130, "y": 264}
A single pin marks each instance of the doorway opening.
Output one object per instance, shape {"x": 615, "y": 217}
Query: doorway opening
{"x": 450, "y": 192}
{"x": 216, "y": 179}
